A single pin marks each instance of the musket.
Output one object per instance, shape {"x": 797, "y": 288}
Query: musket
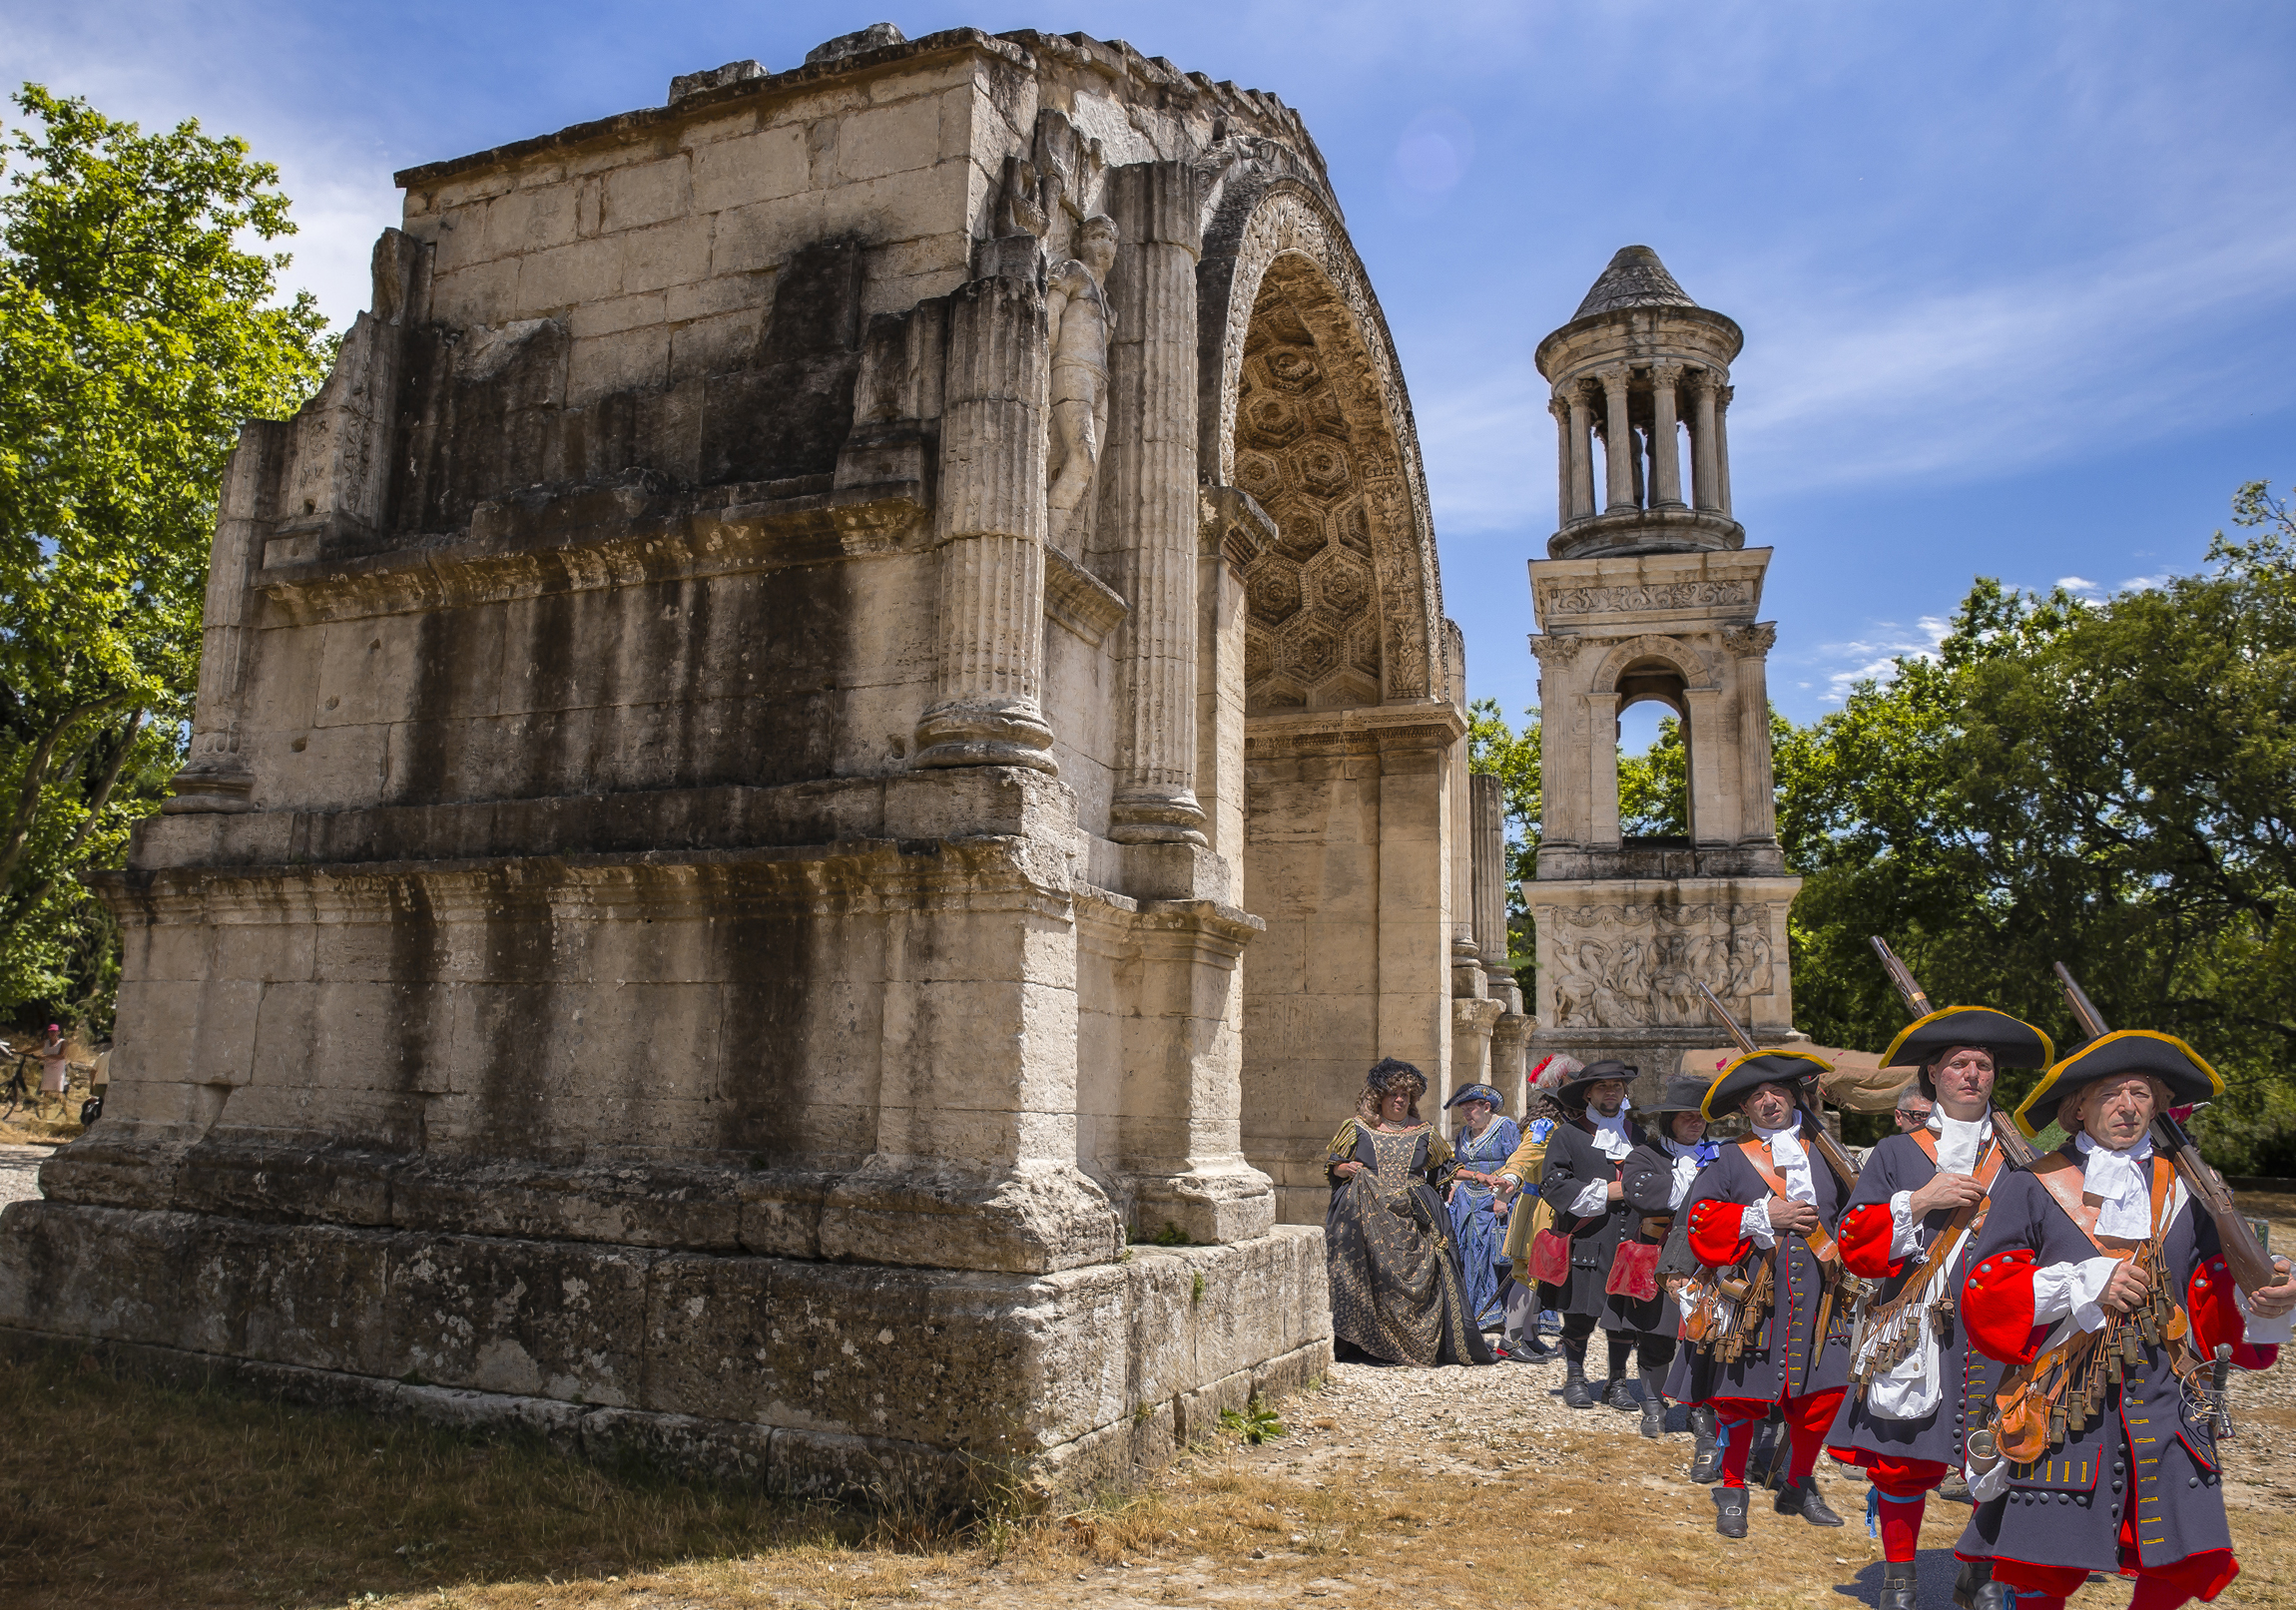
{"x": 2252, "y": 1267}
{"x": 2016, "y": 1151}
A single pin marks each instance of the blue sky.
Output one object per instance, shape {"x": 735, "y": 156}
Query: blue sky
{"x": 2017, "y": 280}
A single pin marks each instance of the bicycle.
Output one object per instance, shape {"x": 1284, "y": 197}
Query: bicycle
{"x": 22, "y": 1086}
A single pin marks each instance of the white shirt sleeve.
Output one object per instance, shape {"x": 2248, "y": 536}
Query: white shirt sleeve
{"x": 2263, "y": 1330}
{"x": 2062, "y": 1289}
{"x": 1592, "y": 1201}
{"x": 1755, "y": 1225}
{"x": 1905, "y": 1229}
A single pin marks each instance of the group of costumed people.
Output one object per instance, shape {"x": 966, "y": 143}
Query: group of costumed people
{"x": 2050, "y": 1330}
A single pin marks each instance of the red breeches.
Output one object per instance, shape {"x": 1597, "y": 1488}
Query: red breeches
{"x": 1807, "y": 1421}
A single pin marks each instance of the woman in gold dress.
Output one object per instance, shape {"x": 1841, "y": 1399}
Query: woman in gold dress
{"x": 1397, "y": 1292}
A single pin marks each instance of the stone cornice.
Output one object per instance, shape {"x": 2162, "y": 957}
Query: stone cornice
{"x": 1079, "y": 600}
{"x": 592, "y": 538}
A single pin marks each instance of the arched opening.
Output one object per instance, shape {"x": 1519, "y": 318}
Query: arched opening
{"x": 1655, "y": 796}
{"x": 1346, "y": 845}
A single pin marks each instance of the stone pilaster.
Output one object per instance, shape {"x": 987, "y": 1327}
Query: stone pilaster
{"x": 987, "y": 707}
{"x": 1150, "y": 505}
{"x": 216, "y": 776}
{"x": 1617, "y": 442}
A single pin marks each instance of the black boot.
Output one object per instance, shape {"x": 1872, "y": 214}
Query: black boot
{"x": 1897, "y": 1586}
{"x": 1769, "y": 1449}
{"x": 1575, "y": 1392}
{"x": 1730, "y": 1511}
{"x": 1619, "y": 1396}
{"x": 1976, "y": 1589}
{"x": 1705, "y": 1447}
{"x": 1800, "y": 1498}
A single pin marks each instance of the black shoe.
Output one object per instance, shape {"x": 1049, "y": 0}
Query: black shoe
{"x": 1953, "y": 1490}
{"x": 1654, "y": 1417}
{"x": 1706, "y": 1448}
{"x": 1800, "y": 1498}
{"x": 1897, "y": 1586}
{"x": 1530, "y": 1351}
{"x": 1730, "y": 1511}
{"x": 1621, "y": 1397}
{"x": 1575, "y": 1392}
{"x": 1976, "y": 1589}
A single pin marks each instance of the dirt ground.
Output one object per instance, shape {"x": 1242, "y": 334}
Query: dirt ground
{"x": 1453, "y": 1487}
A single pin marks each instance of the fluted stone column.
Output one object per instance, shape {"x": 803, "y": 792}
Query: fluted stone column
{"x": 216, "y": 778}
{"x": 990, "y": 527}
{"x": 1581, "y": 456}
{"x": 1488, "y": 810}
{"x": 1617, "y": 442}
{"x": 1467, "y": 954}
{"x": 1565, "y": 465}
{"x": 1665, "y": 451}
{"x": 1152, "y": 499}
{"x": 1722, "y": 396}
{"x": 1705, "y": 482}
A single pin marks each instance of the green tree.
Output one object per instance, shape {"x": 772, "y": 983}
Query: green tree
{"x": 134, "y": 337}
{"x": 1513, "y": 758}
{"x": 2109, "y": 785}
{"x": 1654, "y": 787}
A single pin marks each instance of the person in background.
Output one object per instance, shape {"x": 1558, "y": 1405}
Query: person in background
{"x": 1485, "y": 1140}
{"x": 1658, "y": 1177}
{"x": 1529, "y": 1304}
{"x": 1914, "y": 1109}
{"x": 55, "y": 1063}
{"x": 1582, "y": 1183}
{"x": 1397, "y": 1292}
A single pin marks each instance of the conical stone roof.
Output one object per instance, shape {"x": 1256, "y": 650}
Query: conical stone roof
{"x": 1635, "y": 279}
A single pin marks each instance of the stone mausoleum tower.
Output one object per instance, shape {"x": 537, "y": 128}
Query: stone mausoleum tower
{"x": 840, "y": 704}
{"x": 1649, "y": 593}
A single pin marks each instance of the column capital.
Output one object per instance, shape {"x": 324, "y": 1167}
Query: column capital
{"x": 1703, "y": 380}
{"x": 1667, "y": 370}
{"x": 1746, "y": 641}
{"x": 1723, "y": 395}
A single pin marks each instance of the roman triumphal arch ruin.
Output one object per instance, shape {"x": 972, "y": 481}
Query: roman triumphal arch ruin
{"x": 841, "y": 708}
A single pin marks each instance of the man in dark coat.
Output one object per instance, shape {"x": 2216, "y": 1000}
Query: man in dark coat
{"x": 1917, "y": 1387}
{"x": 2101, "y": 1239}
{"x": 1581, "y": 1181}
{"x": 1771, "y": 1199}
{"x": 1657, "y": 1178}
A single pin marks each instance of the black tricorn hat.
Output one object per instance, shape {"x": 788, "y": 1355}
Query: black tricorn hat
{"x": 2162, "y": 1056}
{"x": 2014, "y": 1042}
{"x": 1775, "y": 1066}
{"x": 1685, "y": 1093}
{"x": 1572, "y": 1090}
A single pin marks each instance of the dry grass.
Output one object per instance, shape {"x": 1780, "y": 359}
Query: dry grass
{"x": 128, "y": 1494}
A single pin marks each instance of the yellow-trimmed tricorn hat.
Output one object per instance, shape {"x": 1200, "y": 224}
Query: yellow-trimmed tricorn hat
{"x": 1739, "y": 1077}
{"x": 2014, "y": 1042}
{"x": 2183, "y": 1070}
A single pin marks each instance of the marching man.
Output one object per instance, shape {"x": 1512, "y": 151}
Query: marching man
{"x": 2107, "y": 1294}
{"x": 1910, "y": 1224}
{"x": 1771, "y": 1201}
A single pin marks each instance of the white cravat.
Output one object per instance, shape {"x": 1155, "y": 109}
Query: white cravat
{"x": 1791, "y": 1161}
{"x": 1686, "y": 1170}
{"x": 1957, "y": 1143}
{"x": 2123, "y": 1182}
{"x": 1610, "y": 1137}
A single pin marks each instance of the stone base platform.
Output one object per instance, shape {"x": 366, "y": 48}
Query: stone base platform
{"x": 855, "y": 1381}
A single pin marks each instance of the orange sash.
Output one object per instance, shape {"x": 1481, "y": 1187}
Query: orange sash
{"x": 2061, "y": 1177}
{"x": 1758, "y": 1154}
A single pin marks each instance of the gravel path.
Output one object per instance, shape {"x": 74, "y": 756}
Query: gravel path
{"x": 20, "y": 1172}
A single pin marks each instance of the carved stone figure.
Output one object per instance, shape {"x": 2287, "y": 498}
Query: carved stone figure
{"x": 1081, "y": 323}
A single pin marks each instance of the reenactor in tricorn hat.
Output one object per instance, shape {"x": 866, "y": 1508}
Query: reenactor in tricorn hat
{"x": 1916, "y": 1389}
{"x": 2109, "y": 1296}
{"x": 1767, "y": 1206}
{"x": 1657, "y": 1179}
{"x": 1582, "y": 1183}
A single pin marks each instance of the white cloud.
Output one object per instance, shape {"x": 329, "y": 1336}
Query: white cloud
{"x": 1872, "y": 656}
{"x": 2076, "y": 584}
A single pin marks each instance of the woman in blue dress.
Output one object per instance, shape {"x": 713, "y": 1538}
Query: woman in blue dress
{"x": 1482, "y": 1143}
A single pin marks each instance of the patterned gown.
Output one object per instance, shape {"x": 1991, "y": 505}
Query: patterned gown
{"x": 1476, "y": 1229}
{"x": 1396, "y": 1290}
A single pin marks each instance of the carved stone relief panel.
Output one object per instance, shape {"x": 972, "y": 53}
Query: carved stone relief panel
{"x": 1639, "y": 965}
{"x": 1665, "y": 595}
